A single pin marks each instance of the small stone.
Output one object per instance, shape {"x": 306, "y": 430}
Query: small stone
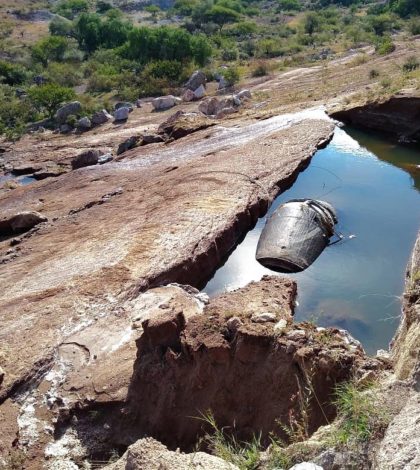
{"x": 244, "y": 95}
{"x": 382, "y": 354}
{"x": 101, "y": 117}
{"x": 263, "y": 317}
{"x": 234, "y": 324}
{"x": 121, "y": 114}
{"x": 306, "y": 466}
{"x": 280, "y": 326}
{"x": 84, "y": 124}
{"x": 124, "y": 104}
{"x": 87, "y": 158}
{"x": 296, "y": 335}
{"x": 105, "y": 158}
{"x": 128, "y": 144}
{"x": 197, "y": 79}
{"x": 188, "y": 96}
{"x": 200, "y": 92}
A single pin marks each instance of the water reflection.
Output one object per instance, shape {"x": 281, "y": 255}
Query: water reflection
{"x": 357, "y": 283}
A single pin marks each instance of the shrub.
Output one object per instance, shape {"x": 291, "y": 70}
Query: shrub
{"x": 414, "y": 26}
{"x": 231, "y": 75}
{"x": 48, "y": 98}
{"x": 411, "y": 64}
{"x": 60, "y": 27}
{"x": 373, "y": 74}
{"x": 260, "y": 70}
{"x": 63, "y": 74}
{"x": 230, "y": 54}
{"x": 385, "y": 46}
{"x": 170, "y": 69}
{"x": 12, "y": 74}
{"x": 70, "y": 8}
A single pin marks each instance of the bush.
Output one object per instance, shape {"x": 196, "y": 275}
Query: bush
{"x": 260, "y": 70}
{"x": 230, "y": 54}
{"x": 70, "y": 8}
{"x": 414, "y": 26}
{"x": 385, "y": 46}
{"x": 373, "y": 74}
{"x": 411, "y": 64}
{"x": 14, "y": 114}
{"x": 60, "y": 27}
{"x": 63, "y": 74}
{"x": 48, "y": 98}
{"x": 231, "y": 75}
{"x": 12, "y": 74}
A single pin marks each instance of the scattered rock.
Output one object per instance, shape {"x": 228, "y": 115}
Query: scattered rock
{"x": 101, "y": 117}
{"x": 197, "y": 79}
{"x": 200, "y": 92}
{"x": 128, "y": 144}
{"x": 244, "y": 95}
{"x": 151, "y": 139}
{"x": 223, "y": 83}
{"x": 225, "y": 112}
{"x": 306, "y": 466}
{"x": 188, "y": 96}
{"x": 124, "y": 104}
{"x": 296, "y": 335}
{"x": 165, "y": 102}
{"x": 149, "y": 454}
{"x": 67, "y": 110}
{"x": 105, "y": 158}
{"x": 210, "y": 106}
{"x": 21, "y": 222}
{"x": 234, "y": 324}
{"x": 280, "y": 326}
{"x": 84, "y": 124}
{"x": 121, "y": 114}
{"x": 88, "y": 158}
{"x": 263, "y": 317}
{"x": 138, "y": 104}
{"x": 65, "y": 128}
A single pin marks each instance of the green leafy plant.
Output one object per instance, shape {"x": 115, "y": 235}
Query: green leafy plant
{"x": 48, "y": 98}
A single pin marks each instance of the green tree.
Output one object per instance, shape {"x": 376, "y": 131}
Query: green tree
{"x": 61, "y": 27}
{"x": 221, "y": 15}
{"x": 311, "y": 23}
{"x": 201, "y": 49}
{"x": 88, "y": 31}
{"x": 51, "y": 48}
{"x": 48, "y": 98}
{"x": 71, "y": 8}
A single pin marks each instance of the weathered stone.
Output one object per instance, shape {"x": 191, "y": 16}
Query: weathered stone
{"x": 280, "y": 326}
{"x": 225, "y": 112}
{"x": 88, "y": 158}
{"x": 263, "y": 317}
{"x": 188, "y": 95}
{"x": 84, "y": 124}
{"x": 223, "y": 83}
{"x": 165, "y": 102}
{"x": 306, "y": 466}
{"x": 149, "y": 454}
{"x": 296, "y": 335}
{"x": 200, "y": 92}
{"x": 67, "y": 110}
{"x": 164, "y": 330}
{"x": 244, "y": 95}
{"x": 197, "y": 79}
{"x": 101, "y": 117}
{"x": 401, "y": 443}
{"x": 124, "y": 104}
{"x": 151, "y": 139}
{"x": 65, "y": 128}
{"x": 105, "y": 158}
{"x": 138, "y": 103}
{"x": 209, "y": 106}
{"x": 234, "y": 324}
{"x": 121, "y": 114}
{"x": 128, "y": 144}
{"x": 20, "y": 222}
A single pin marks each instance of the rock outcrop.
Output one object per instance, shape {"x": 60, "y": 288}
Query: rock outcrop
{"x": 399, "y": 116}
{"x": 20, "y": 222}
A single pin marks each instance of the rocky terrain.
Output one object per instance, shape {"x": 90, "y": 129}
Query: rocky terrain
{"x": 105, "y": 338}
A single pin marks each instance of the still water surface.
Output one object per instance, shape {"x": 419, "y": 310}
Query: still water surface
{"x": 356, "y": 284}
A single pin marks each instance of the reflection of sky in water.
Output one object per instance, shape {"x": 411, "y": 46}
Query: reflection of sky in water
{"x": 355, "y": 284}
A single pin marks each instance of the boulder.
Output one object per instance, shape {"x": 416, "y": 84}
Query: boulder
{"x": 244, "y": 95}
{"x": 65, "y": 128}
{"x": 165, "y": 102}
{"x": 151, "y": 139}
{"x": 225, "y": 112}
{"x": 200, "y": 92}
{"x": 263, "y": 317}
{"x": 101, "y": 117}
{"x": 128, "y": 144}
{"x": 306, "y": 466}
{"x": 67, "y": 110}
{"x": 138, "y": 104}
{"x": 223, "y": 83}
{"x": 84, "y": 124}
{"x": 87, "y": 158}
{"x": 124, "y": 104}
{"x": 188, "y": 95}
{"x": 197, "y": 79}
{"x": 210, "y": 106}
{"x": 20, "y": 222}
{"x": 121, "y": 114}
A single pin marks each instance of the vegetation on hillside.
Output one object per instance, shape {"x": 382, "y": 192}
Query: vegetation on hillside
{"x": 99, "y": 52}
